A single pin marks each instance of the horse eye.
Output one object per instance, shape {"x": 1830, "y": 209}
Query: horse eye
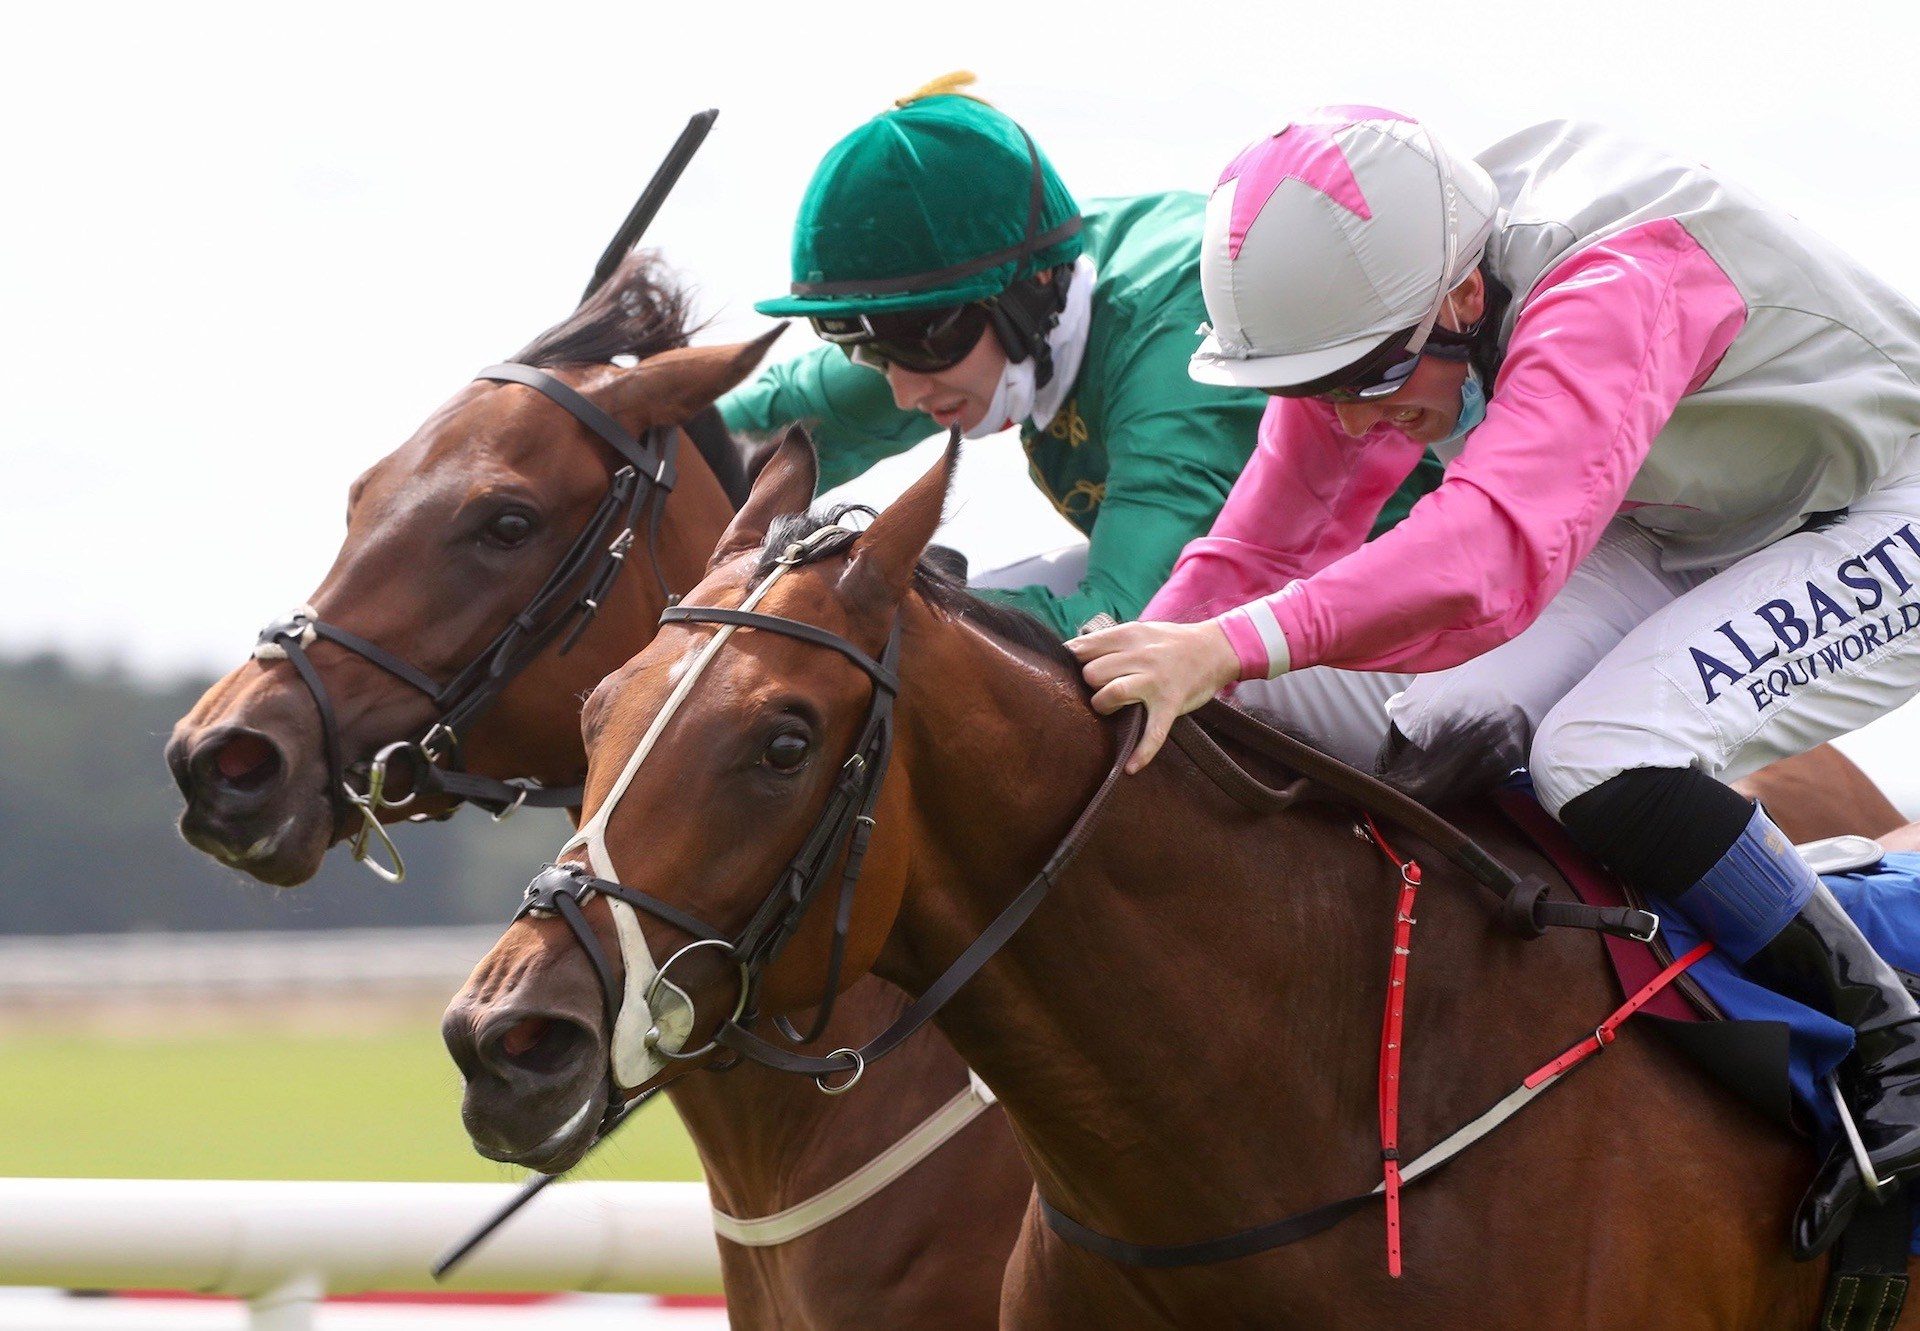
{"x": 508, "y": 529}
{"x": 786, "y": 751}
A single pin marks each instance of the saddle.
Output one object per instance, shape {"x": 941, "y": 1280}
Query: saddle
{"x": 1755, "y": 1059}
{"x": 1868, "y": 1280}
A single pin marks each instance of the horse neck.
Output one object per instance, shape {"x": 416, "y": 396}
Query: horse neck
{"x": 769, "y": 1140}
{"x": 534, "y": 728}
{"x": 1178, "y": 952}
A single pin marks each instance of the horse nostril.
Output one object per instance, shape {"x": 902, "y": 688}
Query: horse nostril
{"x": 523, "y": 1036}
{"x": 243, "y": 761}
{"x": 542, "y": 1046}
{"x": 247, "y": 761}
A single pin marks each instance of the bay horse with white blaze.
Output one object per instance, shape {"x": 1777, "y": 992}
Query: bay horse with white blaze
{"x": 1186, "y": 1031}
{"x": 448, "y": 540}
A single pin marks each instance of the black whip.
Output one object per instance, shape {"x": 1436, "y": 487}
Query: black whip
{"x": 532, "y": 1188}
{"x": 639, "y": 217}
{"x": 652, "y": 197}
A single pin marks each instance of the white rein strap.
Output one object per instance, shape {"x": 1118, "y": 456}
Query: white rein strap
{"x": 768, "y": 1231}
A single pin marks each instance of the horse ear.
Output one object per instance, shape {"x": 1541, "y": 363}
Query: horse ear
{"x": 785, "y": 485}
{"x": 884, "y": 558}
{"x": 668, "y": 388}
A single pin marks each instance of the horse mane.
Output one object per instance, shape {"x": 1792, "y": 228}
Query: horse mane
{"x": 640, "y": 311}
{"x": 937, "y": 581}
{"x": 941, "y": 580}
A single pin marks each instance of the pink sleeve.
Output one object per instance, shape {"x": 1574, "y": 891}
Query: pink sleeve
{"x": 1308, "y": 495}
{"x": 1601, "y": 354}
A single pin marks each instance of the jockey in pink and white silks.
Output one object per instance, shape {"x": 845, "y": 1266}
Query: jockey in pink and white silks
{"x": 1678, "y": 536}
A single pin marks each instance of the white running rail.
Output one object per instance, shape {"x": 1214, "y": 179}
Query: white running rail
{"x": 284, "y": 1246}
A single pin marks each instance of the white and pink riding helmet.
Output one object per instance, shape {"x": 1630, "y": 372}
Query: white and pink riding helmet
{"x": 1325, "y": 241}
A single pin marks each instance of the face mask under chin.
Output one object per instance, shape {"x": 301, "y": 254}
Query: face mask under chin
{"x": 1473, "y": 410}
{"x": 1012, "y": 400}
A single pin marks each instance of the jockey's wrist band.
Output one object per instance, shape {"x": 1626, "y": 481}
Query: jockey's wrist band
{"x": 1257, "y": 640}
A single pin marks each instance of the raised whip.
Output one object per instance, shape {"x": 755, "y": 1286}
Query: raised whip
{"x": 639, "y": 217}
{"x": 655, "y": 194}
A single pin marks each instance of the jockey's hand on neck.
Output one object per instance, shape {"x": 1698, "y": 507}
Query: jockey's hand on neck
{"x": 1169, "y": 669}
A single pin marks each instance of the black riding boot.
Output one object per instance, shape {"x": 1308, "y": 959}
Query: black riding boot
{"x": 1821, "y": 957}
{"x": 1718, "y": 860}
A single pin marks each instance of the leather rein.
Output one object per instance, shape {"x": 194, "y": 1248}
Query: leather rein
{"x": 845, "y": 825}
{"x": 561, "y": 609}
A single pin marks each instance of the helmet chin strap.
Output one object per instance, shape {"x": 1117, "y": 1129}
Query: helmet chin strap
{"x": 1450, "y": 229}
{"x": 1032, "y": 387}
{"x": 1012, "y": 399}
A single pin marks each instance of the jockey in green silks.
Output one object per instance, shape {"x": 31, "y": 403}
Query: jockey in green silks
{"x": 957, "y": 282}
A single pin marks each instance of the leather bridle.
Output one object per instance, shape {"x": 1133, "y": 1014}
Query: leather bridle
{"x": 845, "y": 824}
{"x": 561, "y": 609}
{"x": 563, "y": 890}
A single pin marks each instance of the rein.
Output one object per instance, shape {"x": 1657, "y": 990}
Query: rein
{"x": 1522, "y": 905}
{"x": 845, "y": 824}
{"x": 561, "y": 609}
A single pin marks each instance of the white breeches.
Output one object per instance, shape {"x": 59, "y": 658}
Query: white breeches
{"x": 1634, "y": 666}
{"x": 1059, "y": 571}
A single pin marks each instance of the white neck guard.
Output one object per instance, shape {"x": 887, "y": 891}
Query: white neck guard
{"x": 1016, "y": 398}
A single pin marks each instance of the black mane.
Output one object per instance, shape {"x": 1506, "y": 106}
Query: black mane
{"x": 940, "y": 577}
{"x": 640, "y": 311}
{"x": 933, "y": 578}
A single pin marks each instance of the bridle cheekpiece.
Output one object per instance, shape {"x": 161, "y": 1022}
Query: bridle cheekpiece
{"x": 561, "y": 609}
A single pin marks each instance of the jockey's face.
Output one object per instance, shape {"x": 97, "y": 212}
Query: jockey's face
{"x": 1427, "y": 406}
{"x": 959, "y": 395}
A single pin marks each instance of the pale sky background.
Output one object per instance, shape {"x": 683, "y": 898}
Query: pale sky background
{"x": 246, "y": 249}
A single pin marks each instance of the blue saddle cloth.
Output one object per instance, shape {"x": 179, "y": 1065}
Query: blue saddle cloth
{"x": 1885, "y": 902}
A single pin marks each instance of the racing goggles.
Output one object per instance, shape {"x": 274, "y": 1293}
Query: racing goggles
{"x": 1383, "y": 371}
{"x": 923, "y": 341}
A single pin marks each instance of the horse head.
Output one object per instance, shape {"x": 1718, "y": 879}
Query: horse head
{"x": 738, "y": 779}
{"x": 457, "y": 545}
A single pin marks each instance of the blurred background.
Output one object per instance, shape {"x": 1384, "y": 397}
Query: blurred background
{"x": 249, "y": 248}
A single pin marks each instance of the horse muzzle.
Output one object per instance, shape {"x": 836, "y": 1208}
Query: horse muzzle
{"x": 536, "y": 1088}
{"x": 245, "y": 802}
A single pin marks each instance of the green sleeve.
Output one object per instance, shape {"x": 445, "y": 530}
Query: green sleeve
{"x": 1174, "y": 449}
{"x": 847, "y": 408}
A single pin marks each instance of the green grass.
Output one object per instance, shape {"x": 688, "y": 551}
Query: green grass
{"x": 384, "y": 1105}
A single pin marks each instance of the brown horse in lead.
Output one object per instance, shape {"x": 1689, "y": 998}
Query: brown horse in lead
{"x": 424, "y": 573}
{"x": 1185, "y": 1034}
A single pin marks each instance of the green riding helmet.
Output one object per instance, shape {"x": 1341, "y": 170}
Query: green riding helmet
{"x": 938, "y": 201}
